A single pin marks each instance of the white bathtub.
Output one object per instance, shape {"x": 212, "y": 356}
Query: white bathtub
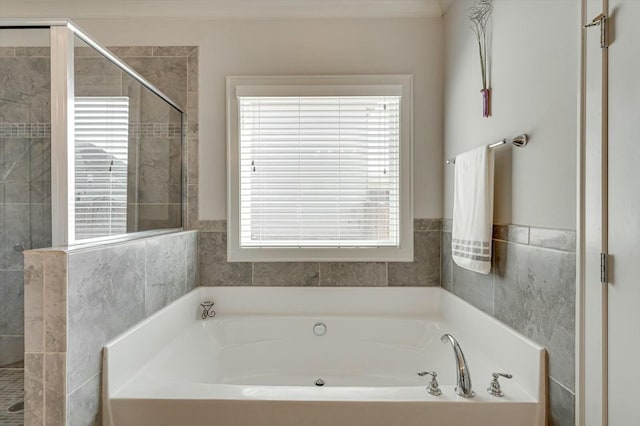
{"x": 257, "y": 361}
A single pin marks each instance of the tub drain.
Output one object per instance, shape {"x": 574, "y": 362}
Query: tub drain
{"x": 319, "y": 382}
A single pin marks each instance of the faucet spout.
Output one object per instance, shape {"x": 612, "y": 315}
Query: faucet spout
{"x": 463, "y": 376}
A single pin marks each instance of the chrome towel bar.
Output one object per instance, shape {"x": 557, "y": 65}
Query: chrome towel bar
{"x": 519, "y": 141}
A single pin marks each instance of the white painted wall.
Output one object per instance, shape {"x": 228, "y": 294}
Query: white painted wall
{"x": 301, "y": 46}
{"x": 534, "y": 73}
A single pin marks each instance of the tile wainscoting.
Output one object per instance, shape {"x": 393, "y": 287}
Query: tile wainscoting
{"x": 77, "y": 300}
{"x": 214, "y": 270}
{"x": 531, "y": 288}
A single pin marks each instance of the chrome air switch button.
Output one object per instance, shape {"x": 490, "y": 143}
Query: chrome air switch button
{"x": 319, "y": 329}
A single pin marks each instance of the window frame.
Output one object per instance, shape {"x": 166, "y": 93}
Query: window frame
{"x": 355, "y": 85}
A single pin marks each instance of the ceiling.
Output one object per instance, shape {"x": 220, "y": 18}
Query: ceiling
{"x": 221, "y": 9}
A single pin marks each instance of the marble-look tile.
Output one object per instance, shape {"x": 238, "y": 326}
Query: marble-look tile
{"x": 193, "y": 71}
{"x": 425, "y": 268}
{"x": 473, "y": 287}
{"x": 446, "y": 262}
{"x": 11, "y": 349}
{"x": 191, "y": 250}
{"x": 169, "y": 74}
{"x": 55, "y": 297}
{"x": 535, "y": 294}
{"x": 5, "y": 52}
{"x": 553, "y": 238}
{"x": 43, "y": 51}
{"x": 155, "y": 216}
{"x": 427, "y": 225}
{"x": 192, "y": 104}
{"x": 159, "y": 172}
{"x": 11, "y": 303}
{"x": 97, "y": 77}
{"x": 39, "y": 191}
{"x": 55, "y": 396}
{"x": 562, "y": 405}
{"x": 512, "y": 233}
{"x": 192, "y": 207}
{"x": 131, "y": 51}
{"x": 86, "y": 52}
{"x": 165, "y": 271}
{"x": 83, "y": 404}
{"x": 16, "y": 192}
{"x": 447, "y": 225}
{"x": 40, "y": 163}
{"x": 214, "y": 270}
{"x": 40, "y": 217}
{"x": 33, "y": 302}
{"x": 211, "y": 225}
{"x": 33, "y": 389}
{"x": 19, "y": 233}
{"x": 26, "y": 81}
{"x": 357, "y": 274}
{"x": 192, "y": 161}
{"x": 302, "y": 274}
{"x": 15, "y": 165}
{"x": 193, "y": 130}
{"x": 105, "y": 298}
{"x": 173, "y": 50}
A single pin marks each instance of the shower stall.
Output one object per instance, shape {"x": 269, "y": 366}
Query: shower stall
{"x": 90, "y": 151}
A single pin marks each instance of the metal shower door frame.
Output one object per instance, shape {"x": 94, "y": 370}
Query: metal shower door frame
{"x": 62, "y": 42}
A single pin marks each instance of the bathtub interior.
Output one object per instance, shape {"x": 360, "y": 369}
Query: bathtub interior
{"x": 266, "y": 349}
{"x": 281, "y": 351}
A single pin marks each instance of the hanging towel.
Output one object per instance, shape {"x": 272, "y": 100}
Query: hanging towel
{"x": 473, "y": 210}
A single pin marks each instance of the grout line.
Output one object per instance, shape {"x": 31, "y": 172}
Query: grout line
{"x": 386, "y": 265}
{"x": 44, "y": 386}
{"x": 44, "y": 324}
{"x": 83, "y": 383}
{"x": 561, "y": 385}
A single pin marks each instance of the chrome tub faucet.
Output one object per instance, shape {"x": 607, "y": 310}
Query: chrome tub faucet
{"x": 463, "y": 376}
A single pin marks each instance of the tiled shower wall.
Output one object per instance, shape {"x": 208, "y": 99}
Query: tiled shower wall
{"x": 76, "y": 301}
{"x": 25, "y": 175}
{"x": 531, "y": 288}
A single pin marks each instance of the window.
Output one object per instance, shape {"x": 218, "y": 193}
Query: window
{"x": 320, "y": 168}
{"x": 101, "y": 158}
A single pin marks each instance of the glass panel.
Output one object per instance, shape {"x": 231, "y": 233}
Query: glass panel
{"x": 128, "y": 152}
{"x": 25, "y": 191}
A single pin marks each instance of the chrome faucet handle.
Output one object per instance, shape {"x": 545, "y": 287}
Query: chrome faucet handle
{"x": 494, "y": 386}
{"x": 433, "y": 388}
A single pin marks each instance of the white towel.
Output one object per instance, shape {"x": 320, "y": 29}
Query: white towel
{"x": 473, "y": 210}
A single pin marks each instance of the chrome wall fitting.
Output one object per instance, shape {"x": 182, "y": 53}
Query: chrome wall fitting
{"x": 494, "y": 386}
{"x": 433, "y": 388}
{"x": 207, "y": 309}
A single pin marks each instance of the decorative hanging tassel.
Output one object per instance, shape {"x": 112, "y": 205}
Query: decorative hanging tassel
{"x": 486, "y": 102}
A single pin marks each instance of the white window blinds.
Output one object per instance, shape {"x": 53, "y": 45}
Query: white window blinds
{"x": 101, "y": 157}
{"x": 319, "y": 171}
